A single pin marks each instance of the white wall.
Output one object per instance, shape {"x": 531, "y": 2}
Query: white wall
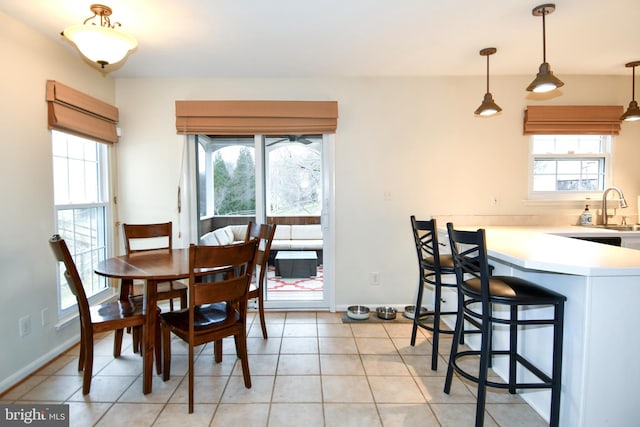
{"x": 28, "y": 279}
{"x": 415, "y": 138}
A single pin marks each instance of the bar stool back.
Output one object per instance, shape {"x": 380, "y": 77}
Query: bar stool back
{"x": 431, "y": 266}
{"x": 478, "y": 294}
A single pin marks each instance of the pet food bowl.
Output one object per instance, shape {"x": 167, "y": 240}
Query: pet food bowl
{"x": 386, "y": 312}
{"x": 358, "y": 312}
{"x": 410, "y": 311}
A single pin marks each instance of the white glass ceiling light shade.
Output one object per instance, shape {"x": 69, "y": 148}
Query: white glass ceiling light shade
{"x": 103, "y": 43}
{"x": 488, "y": 106}
{"x": 633, "y": 112}
{"x": 545, "y": 81}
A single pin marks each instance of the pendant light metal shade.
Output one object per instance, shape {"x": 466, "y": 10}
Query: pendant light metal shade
{"x": 545, "y": 81}
{"x": 633, "y": 112}
{"x": 488, "y": 106}
{"x": 100, "y": 42}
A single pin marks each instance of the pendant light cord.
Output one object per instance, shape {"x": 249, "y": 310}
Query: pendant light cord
{"x": 487, "y": 73}
{"x": 544, "y": 36}
{"x": 633, "y": 84}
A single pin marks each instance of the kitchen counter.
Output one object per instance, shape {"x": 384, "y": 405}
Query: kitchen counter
{"x": 546, "y": 248}
{"x": 602, "y": 285}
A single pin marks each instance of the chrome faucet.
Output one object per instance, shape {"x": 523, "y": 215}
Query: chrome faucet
{"x": 623, "y": 203}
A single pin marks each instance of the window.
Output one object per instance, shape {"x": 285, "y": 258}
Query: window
{"x": 80, "y": 177}
{"x": 227, "y": 181}
{"x": 569, "y": 166}
{"x": 294, "y": 176}
{"x": 226, "y": 176}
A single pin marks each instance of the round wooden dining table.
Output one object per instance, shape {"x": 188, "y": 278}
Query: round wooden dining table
{"x": 151, "y": 267}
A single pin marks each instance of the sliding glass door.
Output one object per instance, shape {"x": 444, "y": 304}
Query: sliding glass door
{"x": 278, "y": 180}
{"x": 293, "y": 200}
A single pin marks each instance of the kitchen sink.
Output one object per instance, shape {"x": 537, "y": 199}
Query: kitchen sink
{"x": 634, "y": 227}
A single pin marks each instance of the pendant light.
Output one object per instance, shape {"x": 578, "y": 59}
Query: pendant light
{"x": 488, "y": 106}
{"x": 633, "y": 112}
{"x": 100, "y": 42}
{"x": 545, "y": 81}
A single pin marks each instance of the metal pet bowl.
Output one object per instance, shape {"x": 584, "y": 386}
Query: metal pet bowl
{"x": 358, "y": 312}
{"x": 386, "y": 312}
{"x": 410, "y": 311}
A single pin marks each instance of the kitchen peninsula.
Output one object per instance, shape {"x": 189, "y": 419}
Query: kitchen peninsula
{"x": 602, "y": 284}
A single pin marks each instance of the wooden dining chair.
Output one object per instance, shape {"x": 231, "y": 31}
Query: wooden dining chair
{"x": 110, "y": 316}
{"x": 219, "y": 278}
{"x": 264, "y": 233}
{"x": 144, "y": 237}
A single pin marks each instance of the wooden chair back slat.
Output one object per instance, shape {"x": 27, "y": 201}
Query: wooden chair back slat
{"x": 153, "y": 235}
{"x": 226, "y": 290}
{"x": 62, "y": 255}
{"x": 228, "y": 269}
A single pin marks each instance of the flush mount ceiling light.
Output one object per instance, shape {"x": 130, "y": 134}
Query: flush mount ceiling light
{"x": 633, "y": 112}
{"x": 545, "y": 81}
{"x": 100, "y": 42}
{"x": 488, "y": 106}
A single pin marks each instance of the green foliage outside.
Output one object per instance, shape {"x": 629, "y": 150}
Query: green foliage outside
{"x": 235, "y": 191}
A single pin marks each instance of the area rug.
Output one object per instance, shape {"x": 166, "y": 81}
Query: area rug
{"x": 297, "y": 284}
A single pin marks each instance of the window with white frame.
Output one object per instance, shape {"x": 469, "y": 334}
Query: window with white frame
{"x": 569, "y": 166}
{"x": 81, "y": 194}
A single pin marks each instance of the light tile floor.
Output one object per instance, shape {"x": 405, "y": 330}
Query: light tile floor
{"x": 313, "y": 370}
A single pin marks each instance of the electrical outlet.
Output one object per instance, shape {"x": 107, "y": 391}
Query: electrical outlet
{"x": 24, "y": 325}
{"x": 375, "y": 278}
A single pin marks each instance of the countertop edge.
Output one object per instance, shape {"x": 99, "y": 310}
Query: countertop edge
{"x": 550, "y": 249}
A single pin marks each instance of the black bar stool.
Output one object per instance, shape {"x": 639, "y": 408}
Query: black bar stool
{"x": 431, "y": 267}
{"x": 478, "y": 292}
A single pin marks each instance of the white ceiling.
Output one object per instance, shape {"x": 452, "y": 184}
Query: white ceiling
{"x": 322, "y": 38}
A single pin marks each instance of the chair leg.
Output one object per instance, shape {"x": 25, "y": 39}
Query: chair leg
{"x": 416, "y": 312}
{"x": 135, "y": 340}
{"x": 490, "y": 332}
{"x": 241, "y": 350}
{"x": 117, "y": 342}
{"x": 183, "y": 301}
{"x": 261, "y": 314}
{"x": 485, "y": 355}
{"x": 166, "y": 356}
{"x": 125, "y": 289}
{"x": 513, "y": 348}
{"x": 457, "y": 334}
{"x": 191, "y": 379}
{"x": 217, "y": 351}
{"x": 157, "y": 348}
{"x": 436, "y": 322}
{"x": 88, "y": 365}
{"x": 82, "y": 354}
{"x": 171, "y": 304}
{"x": 556, "y": 379}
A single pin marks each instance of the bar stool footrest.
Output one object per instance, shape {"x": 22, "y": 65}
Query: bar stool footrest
{"x": 545, "y": 383}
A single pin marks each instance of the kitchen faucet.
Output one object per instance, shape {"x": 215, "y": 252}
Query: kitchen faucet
{"x": 623, "y": 203}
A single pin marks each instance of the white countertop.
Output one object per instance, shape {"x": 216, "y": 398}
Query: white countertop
{"x": 543, "y": 248}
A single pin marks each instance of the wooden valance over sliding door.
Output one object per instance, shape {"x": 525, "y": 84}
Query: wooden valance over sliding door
{"x": 256, "y": 117}
{"x": 572, "y": 119}
{"x": 79, "y": 114}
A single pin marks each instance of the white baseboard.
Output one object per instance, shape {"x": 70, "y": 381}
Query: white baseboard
{"x": 32, "y": 367}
